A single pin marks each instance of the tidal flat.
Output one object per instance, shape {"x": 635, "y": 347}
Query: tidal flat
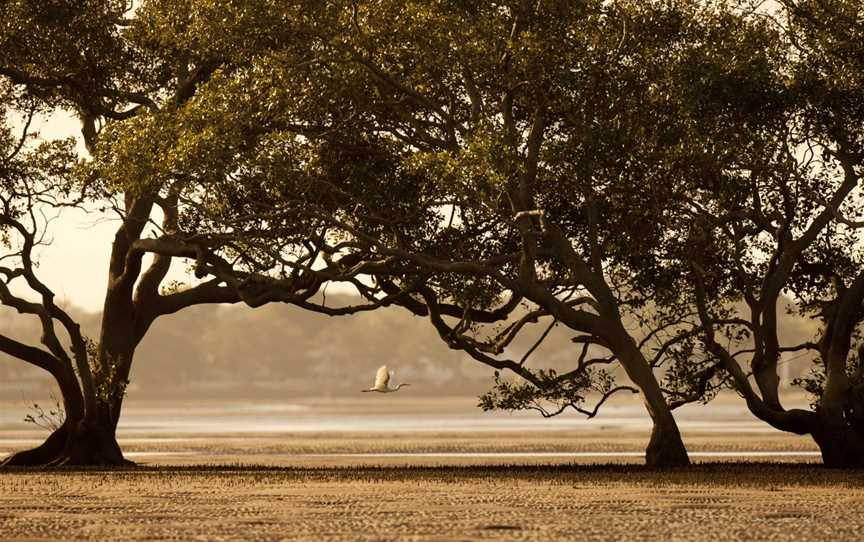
{"x": 728, "y": 501}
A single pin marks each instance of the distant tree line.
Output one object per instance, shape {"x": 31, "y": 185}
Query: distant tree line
{"x": 495, "y": 167}
{"x": 279, "y": 352}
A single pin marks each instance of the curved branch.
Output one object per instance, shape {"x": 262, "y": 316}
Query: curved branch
{"x": 30, "y": 354}
{"x": 591, "y": 413}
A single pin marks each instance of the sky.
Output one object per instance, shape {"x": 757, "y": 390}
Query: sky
{"x": 75, "y": 265}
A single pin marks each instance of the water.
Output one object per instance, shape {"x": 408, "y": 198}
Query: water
{"x": 149, "y": 429}
{"x": 518, "y": 455}
{"x": 386, "y": 414}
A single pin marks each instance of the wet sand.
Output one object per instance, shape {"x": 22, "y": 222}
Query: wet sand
{"x": 443, "y": 448}
{"x": 435, "y": 487}
{"x": 456, "y": 448}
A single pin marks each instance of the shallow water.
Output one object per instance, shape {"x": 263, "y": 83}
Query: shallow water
{"x": 744, "y": 453}
{"x": 499, "y": 455}
{"x": 381, "y": 428}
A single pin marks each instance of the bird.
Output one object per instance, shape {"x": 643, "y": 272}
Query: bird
{"x": 382, "y": 379}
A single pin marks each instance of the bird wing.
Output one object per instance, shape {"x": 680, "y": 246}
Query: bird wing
{"x": 382, "y": 377}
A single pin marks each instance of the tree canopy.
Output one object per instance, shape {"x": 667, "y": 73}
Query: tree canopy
{"x": 496, "y": 167}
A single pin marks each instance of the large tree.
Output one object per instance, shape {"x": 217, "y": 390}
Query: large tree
{"x": 132, "y": 78}
{"x": 770, "y": 112}
{"x": 481, "y": 169}
{"x": 694, "y": 156}
{"x": 530, "y": 148}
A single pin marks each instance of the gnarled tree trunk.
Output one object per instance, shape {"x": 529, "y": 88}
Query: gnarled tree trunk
{"x": 839, "y": 432}
{"x": 72, "y": 444}
{"x": 46, "y": 453}
{"x": 79, "y": 441}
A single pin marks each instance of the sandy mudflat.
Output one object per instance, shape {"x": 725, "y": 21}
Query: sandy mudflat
{"x": 710, "y": 502}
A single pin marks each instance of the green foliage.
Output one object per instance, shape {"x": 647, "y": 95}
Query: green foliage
{"x": 813, "y": 384}
{"x": 109, "y": 386}
{"x": 548, "y": 392}
{"x": 692, "y": 376}
{"x": 32, "y": 171}
{"x": 73, "y": 42}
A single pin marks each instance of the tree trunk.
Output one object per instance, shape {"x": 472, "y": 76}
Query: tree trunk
{"x": 841, "y": 446}
{"x": 44, "y": 454}
{"x": 665, "y": 448}
{"x": 92, "y": 446}
{"x": 76, "y": 442}
{"x": 82, "y": 446}
{"x": 840, "y": 431}
{"x": 117, "y": 342}
{"x": 114, "y": 381}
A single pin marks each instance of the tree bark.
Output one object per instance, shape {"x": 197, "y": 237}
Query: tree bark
{"x": 73, "y": 444}
{"x": 116, "y": 352}
{"x": 841, "y": 446}
{"x": 77, "y": 442}
{"x": 665, "y": 447}
{"x": 839, "y": 432}
{"x": 46, "y": 453}
{"x": 91, "y": 445}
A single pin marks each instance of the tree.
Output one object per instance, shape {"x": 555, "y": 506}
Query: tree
{"x": 530, "y": 146}
{"x": 129, "y": 77}
{"x": 32, "y": 179}
{"x": 773, "y": 110}
{"x": 467, "y": 183}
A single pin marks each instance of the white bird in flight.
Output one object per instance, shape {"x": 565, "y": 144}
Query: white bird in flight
{"x": 382, "y": 379}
